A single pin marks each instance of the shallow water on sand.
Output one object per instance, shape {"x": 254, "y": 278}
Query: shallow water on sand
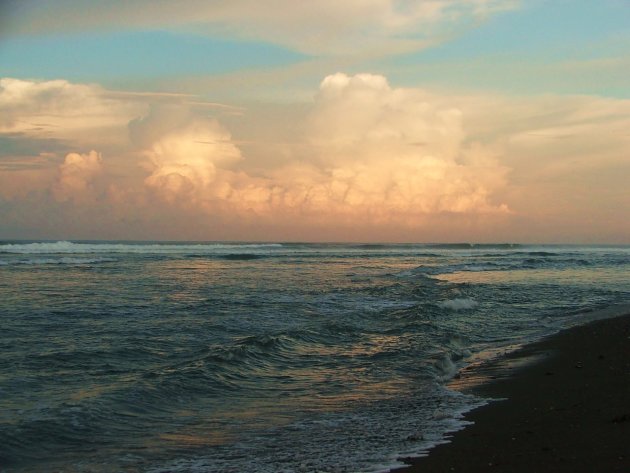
{"x": 208, "y": 357}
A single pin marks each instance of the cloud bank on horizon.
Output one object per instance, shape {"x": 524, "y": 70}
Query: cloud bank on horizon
{"x": 334, "y": 156}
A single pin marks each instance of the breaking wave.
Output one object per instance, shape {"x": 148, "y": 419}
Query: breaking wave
{"x": 64, "y": 260}
{"x": 259, "y": 357}
{"x": 68, "y": 247}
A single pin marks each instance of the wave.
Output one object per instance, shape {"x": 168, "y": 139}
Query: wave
{"x": 474, "y": 246}
{"x": 424, "y": 271}
{"x": 371, "y": 246}
{"x": 68, "y": 247}
{"x": 241, "y": 256}
{"x": 255, "y": 346}
{"x": 57, "y": 261}
{"x": 531, "y": 263}
{"x": 459, "y": 304}
{"x": 519, "y": 253}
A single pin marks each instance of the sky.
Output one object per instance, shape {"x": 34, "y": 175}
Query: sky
{"x": 277, "y": 120}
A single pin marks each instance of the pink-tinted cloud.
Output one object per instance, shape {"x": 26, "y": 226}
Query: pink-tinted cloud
{"x": 366, "y": 153}
{"x": 184, "y": 161}
{"x": 77, "y": 175}
{"x": 362, "y": 160}
{"x": 378, "y": 154}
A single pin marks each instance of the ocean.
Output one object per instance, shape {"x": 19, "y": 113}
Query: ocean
{"x": 254, "y": 357}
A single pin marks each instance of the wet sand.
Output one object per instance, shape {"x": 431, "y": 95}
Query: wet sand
{"x": 565, "y": 408}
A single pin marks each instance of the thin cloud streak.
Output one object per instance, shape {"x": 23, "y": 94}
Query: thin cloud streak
{"x": 326, "y": 27}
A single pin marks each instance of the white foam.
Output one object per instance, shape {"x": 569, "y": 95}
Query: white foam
{"x": 67, "y": 247}
{"x": 372, "y": 440}
{"x": 64, "y": 260}
{"x": 459, "y": 304}
{"x": 446, "y": 367}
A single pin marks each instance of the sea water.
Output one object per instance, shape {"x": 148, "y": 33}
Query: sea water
{"x": 232, "y": 357}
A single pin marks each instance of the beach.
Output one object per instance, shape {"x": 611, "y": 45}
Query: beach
{"x": 564, "y": 406}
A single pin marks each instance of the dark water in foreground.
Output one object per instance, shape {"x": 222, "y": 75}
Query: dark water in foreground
{"x": 150, "y": 357}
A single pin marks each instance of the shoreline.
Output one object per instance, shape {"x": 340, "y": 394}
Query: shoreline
{"x": 561, "y": 404}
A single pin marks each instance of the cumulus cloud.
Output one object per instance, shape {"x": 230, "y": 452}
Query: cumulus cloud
{"x": 366, "y": 152}
{"x": 77, "y": 175}
{"x": 44, "y": 122}
{"x": 361, "y": 157}
{"x": 77, "y": 113}
{"x": 377, "y": 154}
{"x": 321, "y": 27}
{"x": 185, "y": 161}
{"x": 183, "y": 152}
{"x": 61, "y": 110}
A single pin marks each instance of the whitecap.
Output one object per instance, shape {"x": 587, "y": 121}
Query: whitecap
{"x": 68, "y": 247}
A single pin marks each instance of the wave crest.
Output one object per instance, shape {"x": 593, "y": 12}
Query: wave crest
{"x": 68, "y": 247}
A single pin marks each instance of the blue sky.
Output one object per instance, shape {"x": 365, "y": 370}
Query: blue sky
{"x": 521, "y": 51}
{"x": 518, "y": 50}
{"x": 116, "y": 55}
{"x": 545, "y": 32}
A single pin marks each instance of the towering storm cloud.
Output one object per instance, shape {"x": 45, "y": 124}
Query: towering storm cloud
{"x": 359, "y": 156}
{"x": 371, "y": 153}
{"x": 366, "y": 153}
{"x": 397, "y": 152}
{"x": 183, "y": 158}
{"x": 77, "y": 175}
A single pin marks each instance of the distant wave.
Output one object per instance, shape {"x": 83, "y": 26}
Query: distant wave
{"x": 59, "y": 261}
{"x": 536, "y": 253}
{"x": 496, "y": 265}
{"x": 474, "y": 246}
{"x": 241, "y": 256}
{"x": 423, "y": 271}
{"x": 68, "y": 247}
{"x": 371, "y": 246}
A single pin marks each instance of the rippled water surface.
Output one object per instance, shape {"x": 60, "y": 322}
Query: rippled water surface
{"x": 155, "y": 357}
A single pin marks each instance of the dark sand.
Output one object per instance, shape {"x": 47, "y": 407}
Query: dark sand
{"x": 566, "y": 410}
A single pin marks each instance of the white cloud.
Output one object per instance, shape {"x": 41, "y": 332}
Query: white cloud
{"x": 367, "y": 153}
{"x": 184, "y": 153}
{"x": 387, "y": 154}
{"x": 361, "y": 157}
{"x": 78, "y": 113}
{"x": 63, "y": 110}
{"x": 77, "y": 175}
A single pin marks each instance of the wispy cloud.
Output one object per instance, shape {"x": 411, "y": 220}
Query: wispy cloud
{"x": 324, "y": 27}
